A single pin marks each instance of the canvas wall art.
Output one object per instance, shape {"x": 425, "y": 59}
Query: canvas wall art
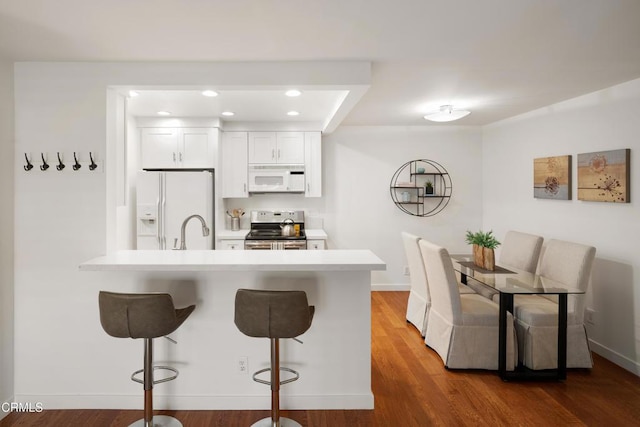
{"x": 552, "y": 178}
{"x": 604, "y": 176}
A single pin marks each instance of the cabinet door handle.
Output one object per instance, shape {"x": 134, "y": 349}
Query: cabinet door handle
{"x": 278, "y": 154}
{"x": 174, "y": 156}
{"x": 273, "y": 154}
{"x": 308, "y": 187}
{"x": 180, "y": 156}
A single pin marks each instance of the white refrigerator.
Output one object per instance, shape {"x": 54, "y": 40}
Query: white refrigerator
{"x": 165, "y": 199}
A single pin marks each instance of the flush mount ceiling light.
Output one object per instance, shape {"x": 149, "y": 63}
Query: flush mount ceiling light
{"x": 293, "y": 113}
{"x": 210, "y": 93}
{"x": 228, "y": 113}
{"x": 293, "y": 92}
{"x": 164, "y": 113}
{"x": 446, "y": 113}
{"x": 133, "y": 93}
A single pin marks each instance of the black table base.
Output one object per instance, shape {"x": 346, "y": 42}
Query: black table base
{"x": 522, "y": 372}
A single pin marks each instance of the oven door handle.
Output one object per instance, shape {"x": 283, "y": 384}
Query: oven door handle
{"x": 274, "y": 245}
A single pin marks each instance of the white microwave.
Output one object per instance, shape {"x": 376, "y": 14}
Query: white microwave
{"x": 276, "y": 179}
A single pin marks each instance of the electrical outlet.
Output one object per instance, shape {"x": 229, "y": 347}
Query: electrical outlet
{"x": 243, "y": 364}
{"x": 590, "y": 316}
{"x": 406, "y": 270}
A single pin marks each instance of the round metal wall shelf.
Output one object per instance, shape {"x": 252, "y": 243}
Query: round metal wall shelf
{"x": 410, "y": 194}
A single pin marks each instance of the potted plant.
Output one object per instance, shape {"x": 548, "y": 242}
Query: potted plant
{"x": 483, "y": 248}
{"x": 428, "y": 187}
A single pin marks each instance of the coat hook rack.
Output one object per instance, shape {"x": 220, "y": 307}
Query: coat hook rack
{"x": 60, "y": 165}
{"x": 44, "y": 166}
{"x": 93, "y": 164}
{"x": 28, "y": 166}
{"x": 76, "y": 164}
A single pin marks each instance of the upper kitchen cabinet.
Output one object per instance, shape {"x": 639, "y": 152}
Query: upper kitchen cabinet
{"x": 234, "y": 164}
{"x": 277, "y": 147}
{"x": 178, "y": 148}
{"x": 313, "y": 164}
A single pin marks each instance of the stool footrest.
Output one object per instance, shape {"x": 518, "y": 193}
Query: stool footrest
{"x": 287, "y": 381}
{"x": 163, "y": 380}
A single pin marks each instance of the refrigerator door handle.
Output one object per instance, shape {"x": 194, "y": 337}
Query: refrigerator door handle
{"x": 164, "y": 208}
{"x": 158, "y": 220}
{"x": 160, "y": 212}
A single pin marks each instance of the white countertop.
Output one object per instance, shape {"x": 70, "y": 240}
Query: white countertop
{"x": 228, "y": 260}
{"x": 312, "y": 234}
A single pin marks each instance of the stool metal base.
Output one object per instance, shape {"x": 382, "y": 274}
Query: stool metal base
{"x": 159, "y": 421}
{"x": 284, "y": 422}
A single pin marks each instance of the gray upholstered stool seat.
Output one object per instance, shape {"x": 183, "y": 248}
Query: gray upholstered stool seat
{"x": 146, "y": 316}
{"x": 273, "y": 315}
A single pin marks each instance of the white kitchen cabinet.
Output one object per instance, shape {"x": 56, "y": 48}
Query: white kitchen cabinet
{"x": 178, "y": 148}
{"x": 231, "y": 245}
{"x": 315, "y": 245}
{"x": 234, "y": 164}
{"x": 276, "y": 147}
{"x": 313, "y": 164}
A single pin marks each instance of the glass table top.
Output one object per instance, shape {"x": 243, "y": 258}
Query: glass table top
{"x": 510, "y": 280}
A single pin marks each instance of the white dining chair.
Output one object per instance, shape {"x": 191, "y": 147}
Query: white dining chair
{"x": 463, "y": 328}
{"x": 419, "y": 300}
{"x": 518, "y": 250}
{"x": 537, "y": 316}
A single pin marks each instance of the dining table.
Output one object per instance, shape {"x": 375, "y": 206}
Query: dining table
{"x": 508, "y": 282}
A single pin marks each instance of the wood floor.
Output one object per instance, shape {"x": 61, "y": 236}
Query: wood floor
{"x": 412, "y": 388}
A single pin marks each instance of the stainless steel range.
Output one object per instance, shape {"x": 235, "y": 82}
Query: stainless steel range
{"x": 276, "y": 230}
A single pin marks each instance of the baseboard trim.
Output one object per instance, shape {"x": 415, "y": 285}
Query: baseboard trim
{"x": 3, "y": 402}
{"x": 615, "y": 357}
{"x": 390, "y": 287}
{"x": 202, "y": 402}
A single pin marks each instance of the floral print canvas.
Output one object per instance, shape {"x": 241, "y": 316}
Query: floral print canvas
{"x": 552, "y": 178}
{"x": 604, "y": 176}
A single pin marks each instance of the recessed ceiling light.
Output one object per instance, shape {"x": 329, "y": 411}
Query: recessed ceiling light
{"x": 446, "y": 113}
{"x": 164, "y": 113}
{"x": 293, "y": 92}
{"x": 293, "y": 113}
{"x": 228, "y": 113}
{"x": 133, "y": 93}
{"x": 210, "y": 93}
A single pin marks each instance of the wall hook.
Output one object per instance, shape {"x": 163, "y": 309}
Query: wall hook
{"x": 60, "y": 165}
{"x": 76, "y": 165}
{"x": 44, "y": 166}
{"x": 93, "y": 164}
{"x": 28, "y": 166}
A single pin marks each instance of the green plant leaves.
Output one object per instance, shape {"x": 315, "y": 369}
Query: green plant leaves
{"x": 483, "y": 239}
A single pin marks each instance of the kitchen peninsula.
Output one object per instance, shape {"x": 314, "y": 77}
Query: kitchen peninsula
{"x": 334, "y": 362}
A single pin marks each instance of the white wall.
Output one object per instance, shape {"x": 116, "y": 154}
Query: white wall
{"x": 6, "y": 233}
{"x": 358, "y": 164}
{"x": 603, "y": 120}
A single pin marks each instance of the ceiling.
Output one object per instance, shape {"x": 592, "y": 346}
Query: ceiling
{"x": 247, "y": 105}
{"x": 496, "y": 58}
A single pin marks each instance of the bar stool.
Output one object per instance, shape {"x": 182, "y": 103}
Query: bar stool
{"x": 274, "y": 315}
{"x": 146, "y": 316}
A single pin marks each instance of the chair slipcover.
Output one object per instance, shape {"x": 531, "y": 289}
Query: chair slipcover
{"x": 463, "y": 329}
{"x": 419, "y": 299}
{"x": 537, "y": 317}
{"x": 520, "y": 250}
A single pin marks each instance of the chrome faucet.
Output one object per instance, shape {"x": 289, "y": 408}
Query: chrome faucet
{"x": 205, "y": 230}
